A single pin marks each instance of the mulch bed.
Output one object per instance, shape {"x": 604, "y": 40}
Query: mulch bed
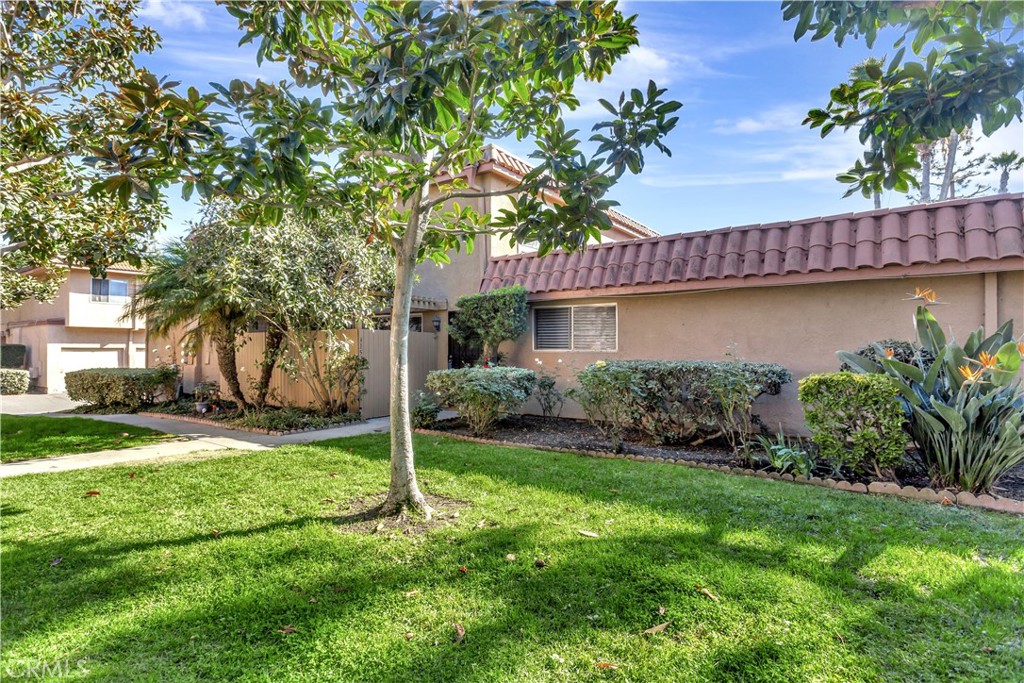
{"x": 559, "y": 433}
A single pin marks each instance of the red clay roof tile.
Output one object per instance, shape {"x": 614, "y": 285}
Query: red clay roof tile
{"x": 977, "y": 230}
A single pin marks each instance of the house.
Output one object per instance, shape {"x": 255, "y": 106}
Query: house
{"x": 81, "y": 328}
{"x": 793, "y": 292}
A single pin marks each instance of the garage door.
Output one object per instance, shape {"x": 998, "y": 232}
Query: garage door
{"x": 84, "y": 359}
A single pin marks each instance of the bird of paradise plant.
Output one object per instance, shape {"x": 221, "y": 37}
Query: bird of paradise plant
{"x": 966, "y": 411}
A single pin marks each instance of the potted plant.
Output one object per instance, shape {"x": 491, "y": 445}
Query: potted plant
{"x": 205, "y": 393}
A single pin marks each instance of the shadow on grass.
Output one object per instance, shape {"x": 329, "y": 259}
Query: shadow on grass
{"x": 225, "y": 604}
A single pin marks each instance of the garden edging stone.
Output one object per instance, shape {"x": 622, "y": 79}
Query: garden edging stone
{"x": 942, "y": 496}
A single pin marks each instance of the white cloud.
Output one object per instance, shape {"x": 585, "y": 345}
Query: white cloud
{"x": 174, "y": 13}
{"x": 783, "y": 117}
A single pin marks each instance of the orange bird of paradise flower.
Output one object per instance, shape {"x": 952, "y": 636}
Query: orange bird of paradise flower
{"x": 890, "y": 353}
{"x": 971, "y": 375}
{"x": 987, "y": 360}
{"x": 927, "y": 295}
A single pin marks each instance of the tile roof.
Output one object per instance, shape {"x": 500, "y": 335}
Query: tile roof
{"x": 978, "y": 231}
{"x": 520, "y": 167}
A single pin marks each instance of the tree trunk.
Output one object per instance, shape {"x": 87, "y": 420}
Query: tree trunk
{"x": 947, "y": 177}
{"x": 925, "y": 152}
{"x": 224, "y": 343}
{"x": 271, "y": 352}
{"x": 403, "y": 492}
{"x": 1004, "y": 181}
{"x": 877, "y": 196}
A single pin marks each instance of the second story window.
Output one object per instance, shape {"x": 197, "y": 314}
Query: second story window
{"x": 109, "y": 291}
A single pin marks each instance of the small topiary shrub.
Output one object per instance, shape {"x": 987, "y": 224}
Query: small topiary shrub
{"x": 901, "y": 350}
{"x": 13, "y": 355}
{"x": 486, "y": 320}
{"x": 856, "y": 420}
{"x": 424, "y": 410}
{"x": 482, "y": 395}
{"x": 13, "y": 381}
{"x": 676, "y": 401}
{"x": 128, "y": 388}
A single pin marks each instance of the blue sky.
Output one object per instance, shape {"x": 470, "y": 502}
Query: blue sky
{"x": 740, "y": 155}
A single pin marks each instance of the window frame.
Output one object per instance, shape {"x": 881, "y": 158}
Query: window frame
{"x": 108, "y": 298}
{"x": 572, "y": 328}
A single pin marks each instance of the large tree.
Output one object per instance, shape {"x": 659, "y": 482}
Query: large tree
{"x": 417, "y": 88}
{"x": 61, "y": 65}
{"x": 971, "y": 70}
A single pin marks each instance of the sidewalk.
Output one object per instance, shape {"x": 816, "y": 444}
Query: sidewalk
{"x": 196, "y": 438}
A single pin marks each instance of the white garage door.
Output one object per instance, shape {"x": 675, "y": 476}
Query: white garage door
{"x": 84, "y": 359}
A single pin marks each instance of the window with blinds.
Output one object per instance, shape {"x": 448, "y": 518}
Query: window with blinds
{"x": 575, "y": 328}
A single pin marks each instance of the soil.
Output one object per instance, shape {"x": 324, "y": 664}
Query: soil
{"x": 553, "y": 432}
{"x": 363, "y": 516}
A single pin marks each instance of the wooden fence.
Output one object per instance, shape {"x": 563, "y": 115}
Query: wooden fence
{"x": 373, "y": 345}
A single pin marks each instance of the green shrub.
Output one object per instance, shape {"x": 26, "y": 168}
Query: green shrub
{"x": 486, "y": 320}
{"x": 856, "y": 420}
{"x": 676, "y": 401}
{"x": 966, "y": 412}
{"x": 784, "y": 455}
{"x": 291, "y": 419}
{"x": 482, "y": 395}
{"x": 549, "y": 398}
{"x": 128, "y": 388}
{"x": 13, "y": 381}
{"x": 13, "y": 355}
{"x": 904, "y": 351}
{"x": 424, "y": 410}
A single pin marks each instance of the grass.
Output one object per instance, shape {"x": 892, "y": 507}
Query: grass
{"x": 24, "y": 437}
{"x": 235, "y": 569}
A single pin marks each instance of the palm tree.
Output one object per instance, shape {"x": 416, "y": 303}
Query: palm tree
{"x": 181, "y": 287}
{"x": 1004, "y": 163}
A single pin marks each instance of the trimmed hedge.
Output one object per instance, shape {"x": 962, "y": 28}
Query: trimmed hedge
{"x": 13, "y": 381}
{"x": 856, "y": 420}
{"x": 129, "y": 388}
{"x": 482, "y": 395}
{"x": 676, "y": 401}
{"x": 13, "y": 355}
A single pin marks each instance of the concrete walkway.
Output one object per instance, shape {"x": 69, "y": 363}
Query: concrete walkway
{"x": 195, "y": 438}
{"x": 36, "y": 404}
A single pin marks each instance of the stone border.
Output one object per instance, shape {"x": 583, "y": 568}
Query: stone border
{"x": 942, "y": 496}
{"x": 251, "y": 430}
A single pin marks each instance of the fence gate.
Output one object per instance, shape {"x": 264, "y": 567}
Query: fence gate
{"x": 375, "y": 347}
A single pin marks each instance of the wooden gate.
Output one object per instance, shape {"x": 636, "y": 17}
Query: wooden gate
{"x": 375, "y": 347}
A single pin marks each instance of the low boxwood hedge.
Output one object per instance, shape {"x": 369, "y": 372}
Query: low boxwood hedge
{"x": 482, "y": 395}
{"x": 13, "y": 381}
{"x": 128, "y": 388}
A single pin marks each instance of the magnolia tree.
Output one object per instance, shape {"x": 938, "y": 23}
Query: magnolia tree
{"x": 971, "y": 70}
{"x": 412, "y": 91}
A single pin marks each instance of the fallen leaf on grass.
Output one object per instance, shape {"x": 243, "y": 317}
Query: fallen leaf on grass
{"x": 333, "y": 475}
{"x": 606, "y": 665}
{"x": 510, "y": 557}
{"x": 124, "y": 434}
{"x": 463, "y": 569}
{"x": 481, "y": 524}
{"x": 657, "y": 629}
{"x": 287, "y": 629}
{"x": 312, "y": 599}
{"x": 539, "y": 563}
{"x": 988, "y": 650}
{"x": 341, "y": 589}
{"x": 131, "y": 475}
{"x": 93, "y": 493}
{"x": 661, "y": 609}
{"x": 839, "y": 637}
{"x": 55, "y": 561}
{"x": 216, "y": 533}
{"x": 460, "y": 633}
{"x": 410, "y": 635}
{"x": 412, "y": 593}
{"x": 706, "y": 592}
{"x": 328, "y": 501}
{"x": 588, "y": 534}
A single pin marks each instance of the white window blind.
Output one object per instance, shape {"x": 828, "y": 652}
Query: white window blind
{"x": 552, "y": 328}
{"x": 593, "y": 328}
{"x": 575, "y": 328}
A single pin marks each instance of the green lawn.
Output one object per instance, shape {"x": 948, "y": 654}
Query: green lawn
{"x": 23, "y": 437}
{"x": 192, "y": 571}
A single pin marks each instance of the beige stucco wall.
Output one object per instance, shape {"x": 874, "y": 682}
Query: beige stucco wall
{"x": 799, "y": 326}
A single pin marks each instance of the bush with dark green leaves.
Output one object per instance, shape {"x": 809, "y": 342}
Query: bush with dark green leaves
{"x": 13, "y": 355}
{"x": 901, "y": 350}
{"x": 856, "y": 420}
{"x": 486, "y": 320}
{"x": 676, "y": 401}
{"x": 424, "y": 410}
{"x": 128, "y": 388}
{"x": 13, "y": 381}
{"x": 482, "y": 395}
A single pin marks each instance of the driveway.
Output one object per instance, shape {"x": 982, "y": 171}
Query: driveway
{"x": 36, "y": 404}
